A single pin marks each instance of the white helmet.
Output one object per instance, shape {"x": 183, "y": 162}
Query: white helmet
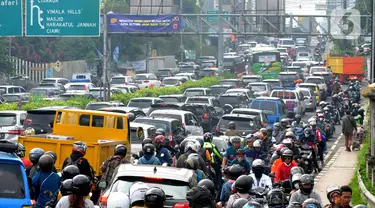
{"x": 118, "y": 200}
{"x": 194, "y": 145}
{"x": 257, "y": 143}
{"x": 137, "y": 192}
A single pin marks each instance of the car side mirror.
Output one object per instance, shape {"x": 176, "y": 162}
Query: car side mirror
{"x": 102, "y": 185}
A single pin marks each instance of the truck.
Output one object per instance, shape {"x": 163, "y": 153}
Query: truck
{"x": 346, "y": 68}
{"x": 160, "y": 62}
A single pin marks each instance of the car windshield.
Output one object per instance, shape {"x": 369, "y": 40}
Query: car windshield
{"x": 47, "y": 85}
{"x": 140, "y": 77}
{"x": 264, "y": 105}
{"x": 231, "y": 100}
{"x": 245, "y": 112}
{"x": 218, "y": 90}
{"x": 208, "y": 64}
{"x": 96, "y": 106}
{"x": 12, "y": 98}
{"x": 303, "y": 54}
{"x": 38, "y": 92}
{"x": 302, "y": 65}
{"x": 199, "y": 109}
{"x": 198, "y": 100}
{"x": 284, "y": 95}
{"x": 12, "y": 183}
{"x": 170, "y": 99}
{"x": 140, "y": 103}
{"x": 293, "y": 69}
{"x": 314, "y": 80}
{"x": 118, "y": 80}
{"x": 248, "y": 80}
{"x": 3, "y": 90}
{"x": 8, "y": 119}
{"x": 305, "y": 93}
{"x": 317, "y": 69}
{"x": 192, "y": 93}
{"x": 170, "y": 81}
{"x": 163, "y": 115}
{"x": 220, "y": 143}
{"x": 242, "y": 124}
{"x": 283, "y": 50}
{"x": 48, "y": 81}
{"x": 207, "y": 72}
{"x": 288, "y": 42}
{"x": 164, "y": 72}
{"x": 308, "y": 87}
{"x": 187, "y": 69}
{"x": 174, "y": 190}
{"x": 287, "y": 77}
{"x": 273, "y": 83}
{"x": 159, "y": 124}
{"x": 77, "y": 87}
{"x": 258, "y": 88}
{"x": 227, "y": 82}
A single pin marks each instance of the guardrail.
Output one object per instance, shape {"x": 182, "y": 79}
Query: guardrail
{"x": 366, "y": 195}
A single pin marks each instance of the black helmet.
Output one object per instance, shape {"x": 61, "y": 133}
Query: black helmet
{"x": 208, "y": 184}
{"x": 306, "y": 179}
{"x": 21, "y": 150}
{"x": 155, "y": 198}
{"x": 81, "y": 185}
{"x": 296, "y": 170}
{"x": 80, "y": 147}
{"x": 160, "y": 131}
{"x": 232, "y": 125}
{"x": 53, "y": 155}
{"x": 191, "y": 163}
{"x": 67, "y": 187}
{"x": 361, "y": 110}
{"x": 69, "y": 172}
{"x": 35, "y": 154}
{"x": 45, "y": 163}
{"x": 234, "y": 171}
{"x": 298, "y": 117}
{"x": 148, "y": 149}
{"x": 239, "y": 203}
{"x": 243, "y": 184}
{"x": 208, "y": 137}
{"x": 199, "y": 197}
{"x": 146, "y": 141}
{"x": 252, "y": 204}
{"x": 330, "y": 190}
{"x": 276, "y": 197}
{"x": 311, "y": 203}
{"x": 121, "y": 150}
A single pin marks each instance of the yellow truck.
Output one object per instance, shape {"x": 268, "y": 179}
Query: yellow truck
{"x": 101, "y": 131}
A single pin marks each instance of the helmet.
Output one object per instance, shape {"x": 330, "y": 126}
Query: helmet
{"x": 351, "y": 88}
{"x": 146, "y": 141}
{"x": 235, "y": 139}
{"x": 35, "y": 154}
{"x": 312, "y": 124}
{"x": 239, "y": 203}
{"x": 148, "y": 149}
{"x": 232, "y": 125}
{"x": 29, "y": 131}
{"x": 307, "y": 179}
{"x": 252, "y": 204}
{"x": 307, "y": 132}
{"x": 52, "y": 154}
{"x": 80, "y": 147}
{"x": 361, "y": 110}
{"x": 284, "y": 122}
{"x": 199, "y": 197}
{"x": 120, "y": 149}
{"x": 296, "y": 170}
{"x": 330, "y": 190}
{"x": 311, "y": 203}
{"x": 243, "y": 184}
{"x": 234, "y": 171}
{"x": 258, "y": 163}
{"x": 137, "y": 192}
{"x": 200, "y": 141}
{"x": 69, "y": 172}
{"x": 45, "y": 163}
{"x": 159, "y": 139}
{"x": 191, "y": 163}
{"x": 290, "y": 134}
{"x": 160, "y": 131}
{"x": 257, "y": 143}
{"x": 287, "y": 153}
{"x": 240, "y": 151}
{"x": 296, "y": 178}
{"x": 118, "y": 200}
{"x": 193, "y": 145}
{"x": 263, "y": 131}
{"x": 276, "y": 197}
{"x": 208, "y": 184}
{"x": 318, "y": 111}
{"x": 81, "y": 185}
{"x": 155, "y": 197}
{"x": 288, "y": 142}
{"x": 326, "y": 109}
{"x": 341, "y": 94}
{"x": 66, "y": 187}
{"x": 298, "y": 117}
{"x": 279, "y": 148}
{"x": 207, "y": 137}
{"x": 21, "y": 150}
{"x": 248, "y": 137}
{"x": 277, "y": 126}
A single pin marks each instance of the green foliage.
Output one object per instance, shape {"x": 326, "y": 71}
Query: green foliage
{"x": 5, "y": 66}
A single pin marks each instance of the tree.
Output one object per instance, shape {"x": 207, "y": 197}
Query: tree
{"x": 5, "y": 65}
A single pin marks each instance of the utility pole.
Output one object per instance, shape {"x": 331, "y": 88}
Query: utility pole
{"x": 10, "y": 47}
{"x": 372, "y": 54}
{"x": 181, "y": 40}
{"x": 105, "y": 56}
{"x": 220, "y": 49}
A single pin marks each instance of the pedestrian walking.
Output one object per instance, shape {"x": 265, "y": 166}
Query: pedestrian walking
{"x": 348, "y": 126}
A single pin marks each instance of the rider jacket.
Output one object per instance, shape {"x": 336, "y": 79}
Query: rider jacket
{"x": 283, "y": 171}
{"x": 263, "y": 182}
{"x": 297, "y": 125}
{"x": 231, "y": 132}
{"x": 311, "y": 140}
{"x": 300, "y": 198}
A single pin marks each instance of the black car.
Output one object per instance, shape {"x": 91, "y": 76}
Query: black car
{"x": 176, "y": 98}
{"x": 69, "y": 96}
{"x": 99, "y": 105}
{"x": 245, "y": 124}
{"x": 230, "y": 101}
{"x": 217, "y": 90}
{"x": 288, "y": 79}
{"x": 172, "y": 106}
{"x": 296, "y": 69}
{"x": 208, "y": 115}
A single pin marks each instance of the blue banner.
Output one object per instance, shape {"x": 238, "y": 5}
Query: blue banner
{"x": 124, "y": 23}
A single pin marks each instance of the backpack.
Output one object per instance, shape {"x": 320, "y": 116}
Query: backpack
{"x": 75, "y": 162}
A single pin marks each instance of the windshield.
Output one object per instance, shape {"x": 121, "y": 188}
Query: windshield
{"x": 208, "y": 64}
{"x": 140, "y": 77}
{"x": 248, "y": 80}
{"x": 308, "y": 87}
{"x": 221, "y": 144}
{"x": 157, "y": 123}
{"x": 293, "y": 69}
{"x": 174, "y": 190}
{"x": 170, "y": 99}
{"x": 302, "y": 65}
{"x": 48, "y": 81}
{"x": 243, "y": 48}
{"x": 303, "y": 54}
{"x": 192, "y": 93}
{"x": 198, "y": 100}
{"x": 227, "y": 82}
{"x": 12, "y": 98}
{"x": 229, "y": 62}
{"x": 314, "y": 80}
{"x": 38, "y": 92}
{"x": 96, "y": 106}
{"x": 47, "y": 85}
{"x": 273, "y": 83}
{"x": 140, "y": 103}
{"x": 170, "y": 81}
{"x": 12, "y": 183}
{"x": 305, "y": 93}
{"x": 77, "y": 87}
{"x": 187, "y": 69}
{"x": 317, "y": 69}
{"x": 282, "y": 50}
{"x": 3, "y": 90}
{"x": 242, "y": 124}
{"x": 164, "y": 72}
{"x": 284, "y": 95}
{"x": 264, "y": 105}
{"x": 8, "y": 119}
{"x": 219, "y": 90}
{"x": 118, "y": 80}
{"x": 207, "y": 72}
{"x": 163, "y": 115}
{"x": 288, "y": 42}
{"x": 287, "y": 77}
{"x": 231, "y": 100}
{"x": 258, "y": 88}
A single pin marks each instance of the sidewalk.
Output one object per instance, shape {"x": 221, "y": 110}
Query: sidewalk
{"x": 339, "y": 170}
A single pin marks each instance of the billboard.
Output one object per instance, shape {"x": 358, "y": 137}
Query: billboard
{"x": 123, "y": 23}
{"x": 271, "y": 7}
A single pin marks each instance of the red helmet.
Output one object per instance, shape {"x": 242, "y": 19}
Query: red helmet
{"x": 159, "y": 139}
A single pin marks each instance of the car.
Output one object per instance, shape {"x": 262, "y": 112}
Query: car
{"x": 314, "y": 88}
{"x": 148, "y": 131}
{"x": 99, "y": 105}
{"x": 127, "y": 88}
{"x": 175, "y": 182}
{"x": 317, "y": 69}
{"x": 245, "y": 124}
{"x": 273, "y": 83}
{"x": 246, "y": 79}
{"x": 16, "y": 98}
{"x": 262, "y": 115}
{"x": 69, "y": 96}
{"x": 173, "y": 128}
{"x": 45, "y": 92}
{"x": 61, "y": 81}
{"x": 53, "y": 85}
{"x": 137, "y": 112}
{"x": 321, "y": 83}
{"x": 304, "y": 55}
{"x": 189, "y": 69}
{"x": 190, "y": 92}
{"x": 9, "y": 89}
{"x": 229, "y": 101}
{"x": 188, "y": 119}
{"x": 328, "y": 79}
{"x": 296, "y": 69}
{"x": 144, "y": 102}
{"x": 248, "y": 93}
{"x": 206, "y": 58}
{"x": 208, "y": 64}
{"x": 260, "y": 88}
{"x": 147, "y": 80}
{"x": 310, "y": 102}
{"x": 303, "y": 65}
{"x": 166, "y": 72}
{"x": 217, "y": 90}
{"x": 293, "y": 99}
{"x": 173, "y": 81}
{"x": 289, "y": 79}
{"x": 173, "y": 98}
{"x": 11, "y": 125}
{"x": 209, "y": 115}
{"x": 98, "y": 92}
{"x": 190, "y": 76}
{"x": 221, "y": 143}
{"x": 237, "y": 83}
{"x": 286, "y": 43}
{"x": 301, "y": 41}
{"x": 41, "y": 119}
{"x": 14, "y": 187}
{"x": 275, "y": 105}
{"x": 117, "y": 81}
{"x": 172, "y": 106}
{"x": 208, "y": 72}
{"x": 79, "y": 87}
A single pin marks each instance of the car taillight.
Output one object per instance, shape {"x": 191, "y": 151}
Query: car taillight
{"x": 16, "y": 131}
{"x": 311, "y": 100}
{"x": 28, "y": 121}
{"x": 234, "y": 68}
{"x": 146, "y": 81}
{"x": 217, "y": 129}
{"x": 126, "y": 83}
{"x": 265, "y": 94}
{"x": 181, "y": 205}
{"x": 183, "y": 125}
{"x": 103, "y": 201}
{"x": 206, "y": 117}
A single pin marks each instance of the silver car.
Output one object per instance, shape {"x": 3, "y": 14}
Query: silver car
{"x": 11, "y": 125}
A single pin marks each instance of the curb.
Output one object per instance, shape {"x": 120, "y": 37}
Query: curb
{"x": 365, "y": 193}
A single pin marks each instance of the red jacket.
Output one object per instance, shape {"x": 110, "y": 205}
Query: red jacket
{"x": 283, "y": 171}
{"x": 26, "y": 162}
{"x": 318, "y": 135}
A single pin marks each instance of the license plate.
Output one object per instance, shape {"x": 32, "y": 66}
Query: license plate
{"x": 2, "y": 135}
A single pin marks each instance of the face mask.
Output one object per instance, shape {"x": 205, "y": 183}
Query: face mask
{"x": 258, "y": 173}
{"x": 306, "y": 191}
{"x": 239, "y": 159}
{"x": 296, "y": 186}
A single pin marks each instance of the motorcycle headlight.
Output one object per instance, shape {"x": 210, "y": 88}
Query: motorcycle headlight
{"x": 306, "y": 162}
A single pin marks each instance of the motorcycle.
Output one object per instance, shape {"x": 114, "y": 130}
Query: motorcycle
{"x": 335, "y": 114}
{"x": 260, "y": 195}
{"x": 305, "y": 161}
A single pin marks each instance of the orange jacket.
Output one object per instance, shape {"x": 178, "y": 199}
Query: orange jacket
{"x": 275, "y": 164}
{"x": 283, "y": 171}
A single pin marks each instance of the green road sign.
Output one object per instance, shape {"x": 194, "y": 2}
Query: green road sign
{"x": 74, "y": 18}
{"x": 11, "y": 18}
{"x": 215, "y": 18}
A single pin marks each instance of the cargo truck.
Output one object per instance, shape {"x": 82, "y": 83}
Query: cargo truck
{"x": 346, "y": 68}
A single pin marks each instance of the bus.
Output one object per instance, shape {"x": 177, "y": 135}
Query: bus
{"x": 267, "y": 64}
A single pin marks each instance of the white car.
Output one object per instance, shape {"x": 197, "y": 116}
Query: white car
{"x": 173, "y": 81}
{"x": 188, "y": 119}
{"x": 246, "y": 92}
{"x": 317, "y": 69}
{"x": 191, "y": 92}
{"x": 121, "y": 81}
{"x": 317, "y": 80}
{"x": 144, "y": 103}
{"x": 61, "y": 81}
{"x": 147, "y": 80}
{"x": 11, "y": 125}
{"x": 79, "y": 87}
{"x": 190, "y": 76}
{"x": 136, "y": 143}
{"x": 286, "y": 43}
{"x": 127, "y": 88}
{"x": 310, "y": 102}
{"x": 293, "y": 99}
{"x": 304, "y": 56}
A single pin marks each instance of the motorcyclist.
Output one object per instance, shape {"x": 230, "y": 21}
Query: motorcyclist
{"x": 284, "y": 123}
{"x": 199, "y": 197}
{"x": 361, "y": 112}
{"x": 137, "y": 194}
{"x": 240, "y": 160}
{"x": 297, "y": 123}
{"x": 148, "y": 158}
{"x": 259, "y": 178}
{"x": 34, "y": 156}
{"x": 21, "y": 150}
{"x": 277, "y": 154}
{"x": 166, "y": 143}
{"x": 306, "y": 191}
{"x": 242, "y": 186}
{"x": 144, "y": 142}
{"x": 208, "y": 184}
{"x": 118, "y": 200}
{"x": 311, "y": 203}
{"x": 192, "y": 147}
{"x": 336, "y": 88}
{"x": 77, "y": 158}
{"x": 320, "y": 140}
{"x": 321, "y": 124}
{"x": 213, "y": 156}
{"x": 69, "y": 172}
{"x": 283, "y": 170}
{"x": 266, "y": 140}
{"x": 277, "y": 133}
{"x": 276, "y": 198}
{"x": 296, "y": 180}
{"x": 162, "y": 153}
{"x": 310, "y": 139}
{"x": 155, "y": 198}
{"x": 231, "y": 151}
{"x": 333, "y": 196}
{"x": 289, "y": 142}
{"x": 232, "y": 172}
{"x": 54, "y": 157}
{"x": 256, "y": 152}
{"x": 192, "y": 163}
{"x": 231, "y": 131}
{"x": 81, "y": 187}
{"x": 355, "y": 109}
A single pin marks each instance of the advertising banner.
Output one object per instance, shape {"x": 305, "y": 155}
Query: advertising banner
{"x": 123, "y": 23}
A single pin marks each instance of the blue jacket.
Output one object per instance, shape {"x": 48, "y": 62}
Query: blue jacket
{"x": 164, "y": 156}
{"x": 254, "y": 154}
{"x": 226, "y": 191}
{"x": 149, "y": 160}
{"x": 46, "y": 186}
{"x": 244, "y": 164}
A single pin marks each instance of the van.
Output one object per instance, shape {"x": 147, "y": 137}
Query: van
{"x": 235, "y": 64}
{"x": 275, "y": 105}
{"x": 82, "y": 77}
{"x": 286, "y": 43}
{"x": 293, "y": 99}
